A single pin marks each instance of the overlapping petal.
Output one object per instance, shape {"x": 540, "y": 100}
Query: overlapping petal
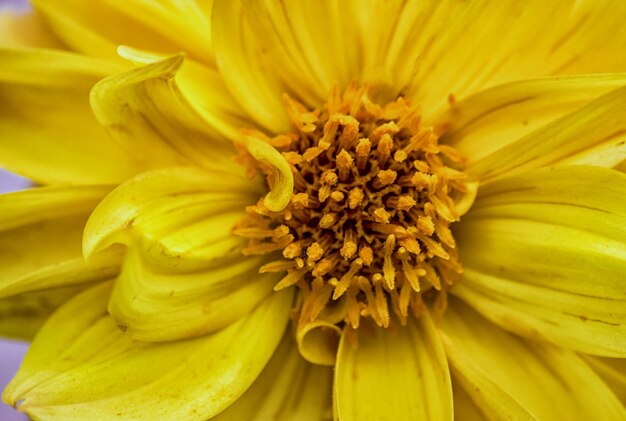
{"x": 145, "y": 111}
{"x": 98, "y": 27}
{"x": 612, "y": 371}
{"x": 86, "y": 368}
{"x": 393, "y": 374}
{"x": 22, "y": 315}
{"x": 491, "y": 119}
{"x": 594, "y": 134}
{"x": 288, "y": 389}
{"x": 409, "y": 47}
{"x": 545, "y": 256}
{"x": 40, "y": 239}
{"x": 501, "y": 45}
{"x": 249, "y": 78}
{"x": 153, "y": 306}
{"x": 47, "y": 130}
{"x": 510, "y": 378}
{"x": 182, "y": 217}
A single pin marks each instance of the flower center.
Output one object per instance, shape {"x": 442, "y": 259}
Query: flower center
{"x": 366, "y": 233}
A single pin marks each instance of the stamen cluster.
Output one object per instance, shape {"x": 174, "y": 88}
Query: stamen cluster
{"x": 367, "y": 228}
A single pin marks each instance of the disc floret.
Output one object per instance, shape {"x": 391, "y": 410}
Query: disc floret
{"x": 366, "y": 232}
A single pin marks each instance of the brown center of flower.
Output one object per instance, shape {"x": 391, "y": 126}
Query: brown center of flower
{"x": 366, "y": 232}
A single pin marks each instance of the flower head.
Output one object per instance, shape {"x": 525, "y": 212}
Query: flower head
{"x": 307, "y": 210}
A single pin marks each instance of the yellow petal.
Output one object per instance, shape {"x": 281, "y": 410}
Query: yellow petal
{"x": 509, "y": 378}
{"x": 180, "y": 214}
{"x": 23, "y": 28}
{"x": 282, "y": 189}
{"x": 153, "y": 306}
{"x": 464, "y": 408}
{"x": 204, "y": 88}
{"x": 44, "y": 97}
{"x": 544, "y": 256}
{"x": 251, "y": 80}
{"x": 144, "y": 110}
{"x": 597, "y": 129}
{"x": 98, "y": 27}
{"x": 40, "y": 239}
{"x": 394, "y": 374}
{"x": 437, "y": 49}
{"x": 491, "y": 119}
{"x": 288, "y": 389}
{"x": 308, "y": 58}
{"x": 81, "y": 366}
{"x": 318, "y": 342}
{"x": 22, "y": 315}
{"x": 612, "y": 371}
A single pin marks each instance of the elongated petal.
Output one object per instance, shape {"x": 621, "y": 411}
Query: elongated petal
{"x": 289, "y": 388}
{"x": 464, "y": 408}
{"x": 22, "y": 315}
{"x": 204, "y": 89}
{"x": 180, "y": 213}
{"x": 436, "y": 49}
{"x": 47, "y": 130}
{"x": 394, "y": 374}
{"x": 308, "y": 58}
{"x": 250, "y": 79}
{"x": 98, "y": 27}
{"x": 509, "y": 378}
{"x": 545, "y": 257}
{"x": 612, "y": 371}
{"x": 153, "y": 306}
{"x": 144, "y": 110}
{"x": 496, "y": 117}
{"x": 594, "y": 134}
{"x": 40, "y": 239}
{"x": 73, "y": 368}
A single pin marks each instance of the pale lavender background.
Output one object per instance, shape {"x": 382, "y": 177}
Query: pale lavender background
{"x": 11, "y": 352}
{"x": 14, "y": 4}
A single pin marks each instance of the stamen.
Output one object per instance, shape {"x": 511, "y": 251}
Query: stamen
{"x": 368, "y": 225}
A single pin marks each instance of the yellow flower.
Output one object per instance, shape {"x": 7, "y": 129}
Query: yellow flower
{"x": 423, "y": 221}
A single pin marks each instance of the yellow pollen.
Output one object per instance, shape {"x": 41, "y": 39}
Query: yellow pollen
{"x": 367, "y": 230}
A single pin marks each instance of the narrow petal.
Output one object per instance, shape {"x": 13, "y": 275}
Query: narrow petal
{"x": 47, "y": 130}
{"x": 144, "y": 110}
{"x": 308, "y": 58}
{"x": 544, "y": 256}
{"x": 73, "y": 368}
{"x": 288, "y": 389}
{"x": 23, "y": 28}
{"x": 422, "y": 50}
{"x": 612, "y": 371}
{"x": 99, "y": 27}
{"x": 597, "y": 130}
{"x": 247, "y": 76}
{"x": 394, "y": 374}
{"x": 464, "y": 408}
{"x": 40, "y": 239}
{"x": 509, "y": 378}
{"x": 22, "y": 315}
{"x": 180, "y": 213}
{"x": 153, "y": 306}
{"x": 202, "y": 87}
{"x": 491, "y": 119}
